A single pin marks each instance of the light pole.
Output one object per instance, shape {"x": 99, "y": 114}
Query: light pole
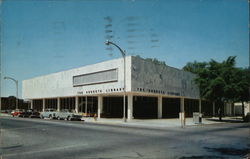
{"x": 124, "y": 65}
{"x": 16, "y": 81}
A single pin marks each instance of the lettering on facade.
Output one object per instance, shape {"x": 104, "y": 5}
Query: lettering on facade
{"x": 79, "y": 92}
{"x": 174, "y": 93}
{"x": 157, "y": 91}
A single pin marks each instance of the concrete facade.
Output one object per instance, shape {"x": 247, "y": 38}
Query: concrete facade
{"x": 143, "y": 78}
{"x": 61, "y": 84}
{"x": 159, "y": 79}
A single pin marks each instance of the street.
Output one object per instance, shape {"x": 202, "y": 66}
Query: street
{"x": 23, "y": 138}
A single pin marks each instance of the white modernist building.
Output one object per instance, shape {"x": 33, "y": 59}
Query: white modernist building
{"x": 152, "y": 90}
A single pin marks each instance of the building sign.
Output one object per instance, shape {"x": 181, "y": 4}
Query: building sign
{"x": 96, "y": 77}
{"x": 80, "y": 92}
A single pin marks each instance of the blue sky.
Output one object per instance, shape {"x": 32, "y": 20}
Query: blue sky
{"x": 45, "y": 36}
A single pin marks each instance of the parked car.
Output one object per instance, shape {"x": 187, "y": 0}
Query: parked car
{"x": 35, "y": 114}
{"x": 48, "y": 113}
{"x": 6, "y": 111}
{"x": 17, "y": 112}
{"x": 30, "y": 113}
{"x": 67, "y": 115}
{"x": 24, "y": 114}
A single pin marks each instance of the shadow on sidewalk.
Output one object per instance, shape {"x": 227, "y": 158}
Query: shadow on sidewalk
{"x": 227, "y": 120}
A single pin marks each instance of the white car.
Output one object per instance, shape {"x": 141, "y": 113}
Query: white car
{"x": 67, "y": 115}
{"x": 48, "y": 113}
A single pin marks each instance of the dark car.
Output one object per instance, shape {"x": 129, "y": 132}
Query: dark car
{"x": 30, "y": 113}
{"x": 35, "y": 114}
{"x": 25, "y": 113}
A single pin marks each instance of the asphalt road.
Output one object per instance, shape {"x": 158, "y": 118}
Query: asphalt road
{"x": 48, "y": 139}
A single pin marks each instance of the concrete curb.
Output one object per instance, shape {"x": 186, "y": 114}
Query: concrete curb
{"x": 149, "y": 124}
{"x": 142, "y": 124}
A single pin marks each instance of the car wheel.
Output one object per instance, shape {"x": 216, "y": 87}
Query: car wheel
{"x": 41, "y": 117}
{"x": 68, "y": 118}
{"x": 58, "y": 118}
{"x": 50, "y": 116}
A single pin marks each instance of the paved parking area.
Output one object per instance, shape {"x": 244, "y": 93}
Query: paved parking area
{"x": 24, "y": 138}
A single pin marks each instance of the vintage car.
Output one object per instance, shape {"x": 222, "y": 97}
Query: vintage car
{"x": 67, "y": 115}
{"x": 17, "y": 112}
{"x": 35, "y": 114}
{"x": 48, "y": 113}
{"x": 30, "y": 113}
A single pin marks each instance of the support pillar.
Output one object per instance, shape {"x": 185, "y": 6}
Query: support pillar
{"x": 86, "y": 105}
{"x": 130, "y": 107}
{"x": 100, "y": 104}
{"x": 43, "y": 105}
{"x": 182, "y": 112}
{"x": 199, "y": 105}
{"x": 182, "y": 108}
{"x": 31, "y": 104}
{"x": 159, "y": 107}
{"x": 58, "y": 104}
{"x": 76, "y": 104}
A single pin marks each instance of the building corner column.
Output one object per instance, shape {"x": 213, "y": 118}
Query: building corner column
{"x": 130, "y": 107}
{"x": 182, "y": 106}
{"x": 100, "y": 104}
{"x": 76, "y": 104}
{"x": 31, "y": 104}
{"x": 159, "y": 107}
{"x": 182, "y": 115}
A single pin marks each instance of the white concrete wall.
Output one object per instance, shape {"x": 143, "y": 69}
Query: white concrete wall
{"x": 238, "y": 108}
{"x": 139, "y": 74}
{"x": 162, "y": 79}
{"x": 246, "y": 107}
{"x": 61, "y": 84}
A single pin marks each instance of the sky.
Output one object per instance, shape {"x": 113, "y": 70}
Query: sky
{"x": 40, "y": 37}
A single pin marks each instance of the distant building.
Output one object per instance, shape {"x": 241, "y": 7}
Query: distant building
{"x": 152, "y": 90}
{"x": 237, "y": 109}
{"x": 9, "y": 103}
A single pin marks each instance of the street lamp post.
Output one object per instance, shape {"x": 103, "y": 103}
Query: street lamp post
{"x": 124, "y": 64}
{"x": 16, "y": 81}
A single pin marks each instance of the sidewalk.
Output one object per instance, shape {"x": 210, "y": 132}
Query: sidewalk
{"x": 156, "y": 123}
{"x": 153, "y": 123}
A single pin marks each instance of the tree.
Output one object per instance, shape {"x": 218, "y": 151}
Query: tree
{"x": 243, "y": 87}
{"x": 154, "y": 60}
{"x": 195, "y": 67}
{"x": 220, "y": 81}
